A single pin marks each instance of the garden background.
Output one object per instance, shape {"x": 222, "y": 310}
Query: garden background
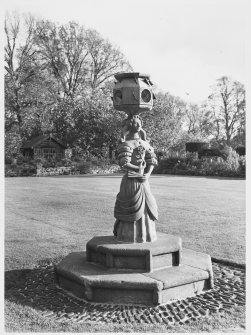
{"x": 59, "y": 80}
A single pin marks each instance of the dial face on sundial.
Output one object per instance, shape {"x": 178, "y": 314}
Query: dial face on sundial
{"x": 146, "y": 95}
{"x": 118, "y": 97}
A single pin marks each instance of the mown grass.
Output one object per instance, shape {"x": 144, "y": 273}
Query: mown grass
{"x": 46, "y": 218}
{"x": 51, "y": 216}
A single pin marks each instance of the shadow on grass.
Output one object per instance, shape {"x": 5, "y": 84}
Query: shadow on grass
{"x": 35, "y": 288}
{"x": 14, "y": 278}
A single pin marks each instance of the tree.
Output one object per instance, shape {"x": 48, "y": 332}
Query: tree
{"x": 105, "y": 59}
{"x": 228, "y": 101}
{"x": 198, "y": 121}
{"x": 28, "y": 86}
{"x": 77, "y": 57}
{"x": 64, "y": 53}
{"x": 19, "y": 67}
{"x": 13, "y": 143}
{"x": 54, "y": 74}
{"x": 164, "y": 124}
{"x": 89, "y": 122}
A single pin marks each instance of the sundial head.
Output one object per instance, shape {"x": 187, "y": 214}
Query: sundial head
{"x": 133, "y": 93}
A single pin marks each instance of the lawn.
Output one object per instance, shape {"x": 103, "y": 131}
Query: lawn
{"x": 47, "y": 218}
{"x": 52, "y": 216}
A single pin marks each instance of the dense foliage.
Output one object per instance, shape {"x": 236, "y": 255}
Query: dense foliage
{"x": 59, "y": 78}
{"x": 228, "y": 164}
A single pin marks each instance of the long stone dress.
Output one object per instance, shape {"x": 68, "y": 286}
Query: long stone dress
{"x": 135, "y": 208}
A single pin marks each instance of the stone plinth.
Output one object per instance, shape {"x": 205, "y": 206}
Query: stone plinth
{"x": 146, "y": 257}
{"x": 96, "y": 277}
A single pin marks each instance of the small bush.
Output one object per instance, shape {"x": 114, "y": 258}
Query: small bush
{"x": 22, "y": 159}
{"x": 20, "y": 170}
{"x": 214, "y": 152}
{"x": 231, "y": 165}
{"x": 232, "y": 161}
{"x": 64, "y": 162}
{"x": 242, "y": 162}
{"x": 10, "y": 173}
{"x": 8, "y": 160}
{"x": 241, "y": 151}
{"x": 40, "y": 161}
{"x": 226, "y": 151}
{"x": 27, "y": 171}
{"x": 84, "y": 167}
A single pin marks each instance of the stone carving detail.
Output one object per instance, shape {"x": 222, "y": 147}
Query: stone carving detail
{"x": 135, "y": 208}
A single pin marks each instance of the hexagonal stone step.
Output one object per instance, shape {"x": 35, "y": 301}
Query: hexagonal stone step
{"x": 99, "y": 284}
{"x": 149, "y": 256}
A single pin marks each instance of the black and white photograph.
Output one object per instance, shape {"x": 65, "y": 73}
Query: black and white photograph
{"x": 124, "y": 166}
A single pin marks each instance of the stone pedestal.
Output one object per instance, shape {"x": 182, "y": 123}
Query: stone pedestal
{"x": 141, "y": 273}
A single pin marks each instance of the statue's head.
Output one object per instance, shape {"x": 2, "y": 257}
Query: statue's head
{"x": 135, "y": 124}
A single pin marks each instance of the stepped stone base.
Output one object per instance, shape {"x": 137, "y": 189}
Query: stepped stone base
{"x": 110, "y": 283}
{"x": 148, "y": 256}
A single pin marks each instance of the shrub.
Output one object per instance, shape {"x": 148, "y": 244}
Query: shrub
{"x": 64, "y": 162}
{"x": 241, "y": 151}
{"x": 20, "y": 170}
{"x": 189, "y": 164}
{"x": 226, "y": 151}
{"x": 84, "y": 167}
{"x": 22, "y": 159}
{"x": 242, "y": 162}
{"x": 233, "y": 160}
{"x": 10, "y": 173}
{"x": 27, "y": 169}
{"x": 8, "y": 160}
{"x": 40, "y": 160}
{"x": 46, "y": 163}
{"x": 212, "y": 166}
{"x": 214, "y": 152}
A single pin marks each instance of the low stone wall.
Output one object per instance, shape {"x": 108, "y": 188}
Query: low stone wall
{"x": 53, "y": 171}
{"x": 67, "y": 170}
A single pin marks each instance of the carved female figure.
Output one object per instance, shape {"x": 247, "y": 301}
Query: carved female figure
{"x": 135, "y": 208}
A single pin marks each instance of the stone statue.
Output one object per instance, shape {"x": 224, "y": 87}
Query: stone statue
{"x": 135, "y": 208}
{"x": 136, "y": 266}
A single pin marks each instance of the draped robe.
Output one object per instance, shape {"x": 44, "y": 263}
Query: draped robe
{"x": 135, "y": 208}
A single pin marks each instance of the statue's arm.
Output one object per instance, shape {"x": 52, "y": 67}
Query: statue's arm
{"x": 124, "y": 156}
{"x": 131, "y": 166}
